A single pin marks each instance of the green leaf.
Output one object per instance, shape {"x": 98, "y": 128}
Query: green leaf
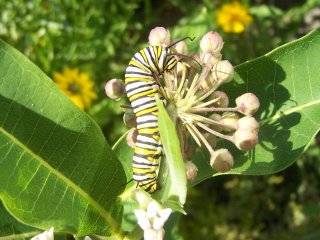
{"x": 10, "y": 228}
{"x": 286, "y": 81}
{"x": 124, "y": 154}
{"x": 56, "y": 168}
{"x": 173, "y": 178}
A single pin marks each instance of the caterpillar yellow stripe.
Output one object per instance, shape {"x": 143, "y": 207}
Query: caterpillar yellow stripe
{"x": 141, "y": 88}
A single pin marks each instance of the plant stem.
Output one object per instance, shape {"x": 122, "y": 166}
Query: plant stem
{"x": 201, "y": 109}
{"x": 229, "y": 138}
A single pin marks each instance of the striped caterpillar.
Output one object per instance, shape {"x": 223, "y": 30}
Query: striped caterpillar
{"x": 141, "y": 86}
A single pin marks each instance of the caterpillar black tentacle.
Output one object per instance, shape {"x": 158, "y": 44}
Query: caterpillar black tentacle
{"x": 141, "y": 87}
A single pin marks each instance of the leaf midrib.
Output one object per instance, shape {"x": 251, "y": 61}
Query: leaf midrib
{"x": 66, "y": 180}
{"x": 291, "y": 110}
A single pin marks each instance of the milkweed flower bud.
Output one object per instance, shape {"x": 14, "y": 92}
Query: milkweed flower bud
{"x": 181, "y": 47}
{"x": 223, "y": 99}
{"x": 115, "y": 89}
{"x": 230, "y": 120}
{"x": 192, "y": 170}
{"x": 212, "y": 139}
{"x": 129, "y": 118}
{"x": 211, "y": 42}
{"x": 223, "y": 71}
{"x": 159, "y": 36}
{"x": 248, "y": 123}
{"x": 248, "y": 104}
{"x": 218, "y": 118}
{"x": 245, "y": 139}
{"x": 211, "y": 59}
{"x": 132, "y": 137}
{"x": 221, "y": 160}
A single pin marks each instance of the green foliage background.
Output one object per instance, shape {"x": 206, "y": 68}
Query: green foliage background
{"x": 101, "y": 36}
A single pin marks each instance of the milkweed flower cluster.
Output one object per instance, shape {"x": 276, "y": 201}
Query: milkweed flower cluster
{"x": 152, "y": 219}
{"x": 203, "y": 111}
{"x": 233, "y": 17}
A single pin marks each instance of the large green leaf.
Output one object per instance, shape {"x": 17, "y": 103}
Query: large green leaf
{"x": 56, "y": 168}
{"x": 286, "y": 81}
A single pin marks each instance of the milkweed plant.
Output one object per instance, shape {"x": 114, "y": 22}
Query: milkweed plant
{"x": 205, "y": 118}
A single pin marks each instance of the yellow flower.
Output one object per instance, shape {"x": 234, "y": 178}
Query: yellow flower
{"x": 233, "y": 17}
{"x": 78, "y": 86}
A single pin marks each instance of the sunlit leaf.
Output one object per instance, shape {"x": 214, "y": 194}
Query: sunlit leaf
{"x": 174, "y": 179}
{"x": 56, "y": 168}
{"x": 286, "y": 81}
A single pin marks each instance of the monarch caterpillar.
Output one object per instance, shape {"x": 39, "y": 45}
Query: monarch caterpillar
{"x": 141, "y": 87}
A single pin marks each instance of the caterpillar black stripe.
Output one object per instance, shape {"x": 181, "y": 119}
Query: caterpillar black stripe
{"x": 141, "y": 87}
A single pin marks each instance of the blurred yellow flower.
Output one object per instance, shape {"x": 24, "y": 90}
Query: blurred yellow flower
{"x": 78, "y": 86}
{"x": 233, "y": 17}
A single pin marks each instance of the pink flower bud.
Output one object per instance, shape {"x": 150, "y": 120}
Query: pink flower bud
{"x": 159, "y": 36}
{"x": 230, "y": 120}
{"x": 129, "y": 118}
{"x": 132, "y": 137}
{"x": 245, "y": 139}
{"x": 211, "y": 42}
{"x": 223, "y": 99}
{"x": 248, "y": 104}
{"x": 210, "y": 59}
{"x": 221, "y": 160}
{"x": 223, "y": 71}
{"x": 181, "y": 47}
{"x": 216, "y": 117}
{"x": 115, "y": 89}
{"x": 248, "y": 123}
{"x": 212, "y": 139}
{"x": 192, "y": 170}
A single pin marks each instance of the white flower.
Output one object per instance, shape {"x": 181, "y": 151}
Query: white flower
{"x": 87, "y": 238}
{"x": 151, "y": 234}
{"x": 152, "y": 220}
{"x": 47, "y": 235}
